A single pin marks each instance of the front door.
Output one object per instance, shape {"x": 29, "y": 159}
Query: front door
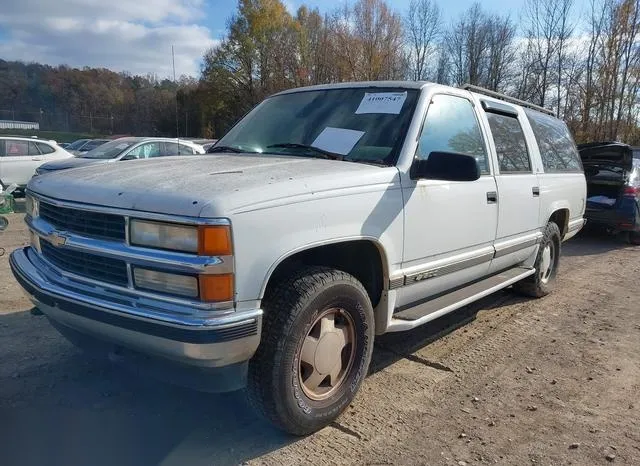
{"x": 450, "y": 227}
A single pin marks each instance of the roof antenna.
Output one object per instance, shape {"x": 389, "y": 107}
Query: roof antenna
{"x": 173, "y": 59}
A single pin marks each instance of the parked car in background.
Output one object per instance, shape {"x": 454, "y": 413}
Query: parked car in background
{"x": 209, "y": 145}
{"x": 64, "y": 145}
{"x": 330, "y": 214}
{"x": 612, "y": 170}
{"x": 75, "y": 145}
{"x": 131, "y": 148}
{"x": 86, "y": 146}
{"x": 21, "y": 156}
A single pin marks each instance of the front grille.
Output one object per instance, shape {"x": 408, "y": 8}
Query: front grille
{"x": 84, "y": 222}
{"x": 86, "y": 265}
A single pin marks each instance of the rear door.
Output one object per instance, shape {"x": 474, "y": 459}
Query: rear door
{"x": 19, "y": 162}
{"x": 518, "y": 196}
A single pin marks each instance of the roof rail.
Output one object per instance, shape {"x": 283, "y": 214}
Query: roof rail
{"x": 506, "y": 98}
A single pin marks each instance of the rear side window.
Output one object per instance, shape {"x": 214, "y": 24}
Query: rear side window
{"x": 557, "y": 149}
{"x": 45, "y": 148}
{"x": 16, "y": 148}
{"x": 185, "y": 150}
{"x": 511, "y": 147}
{"x": 33, "y": 149}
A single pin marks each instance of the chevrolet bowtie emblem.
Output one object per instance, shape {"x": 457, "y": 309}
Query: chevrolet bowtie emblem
{"x": 57, "y": 239}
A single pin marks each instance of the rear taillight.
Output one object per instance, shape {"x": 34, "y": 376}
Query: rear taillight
{"x": 631, "y": 191}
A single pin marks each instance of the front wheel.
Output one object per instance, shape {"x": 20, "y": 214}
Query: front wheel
{"x": 634, "y": 238}
{"x": 316, "y": 346}
{"x": 543, "y": 281}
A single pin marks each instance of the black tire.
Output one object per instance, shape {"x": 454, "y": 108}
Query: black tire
{"x": 634, "y": 238}
{"x": 540, "y": 283}
{"x": 274, "y": 385}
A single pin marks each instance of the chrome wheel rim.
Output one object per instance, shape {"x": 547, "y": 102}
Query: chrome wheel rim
{"x": 547, "y": 262}
{"x": 327, "y": 354}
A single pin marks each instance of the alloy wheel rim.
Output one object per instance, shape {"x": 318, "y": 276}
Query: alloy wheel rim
{"x": 547, "y": 262}
{"x": 327, "y": 353}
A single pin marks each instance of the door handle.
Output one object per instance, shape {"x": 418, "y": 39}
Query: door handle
{"x": 492, "y": 197}
{"x": 536, "y": 191}
{"x": 36, "y": 159}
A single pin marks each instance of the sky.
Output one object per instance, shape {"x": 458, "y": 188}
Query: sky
{"x": 137, "y": 35}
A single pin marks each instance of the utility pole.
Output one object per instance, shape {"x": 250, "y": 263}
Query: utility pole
{"x": 112, "y": 123}
{"x": 173, "y": 59}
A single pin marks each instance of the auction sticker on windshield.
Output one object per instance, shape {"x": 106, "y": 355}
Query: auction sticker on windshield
{"x": 382, "y": 102}
{"x": 337, "y": 140}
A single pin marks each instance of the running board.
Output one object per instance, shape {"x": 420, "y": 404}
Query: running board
{"x": 434, "y": 308}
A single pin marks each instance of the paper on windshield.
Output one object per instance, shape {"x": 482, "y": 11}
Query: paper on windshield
{"x": 382, "y": 102}
{"x": 337, "y": 140}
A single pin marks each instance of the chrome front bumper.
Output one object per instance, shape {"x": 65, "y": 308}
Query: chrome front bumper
{"x": 214, "y": 339}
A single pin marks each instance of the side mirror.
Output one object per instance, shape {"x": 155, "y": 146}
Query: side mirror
{"x": 447, "y": 166}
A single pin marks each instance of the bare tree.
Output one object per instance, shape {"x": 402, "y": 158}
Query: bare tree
{"x": 501, "y": 52}
{"x": 422, "y": 28}
{"x": 467, "y": 42}
{"x": 548, "y": 30}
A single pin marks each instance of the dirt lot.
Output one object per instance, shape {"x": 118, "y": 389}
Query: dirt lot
{"x": 507, "y": 380}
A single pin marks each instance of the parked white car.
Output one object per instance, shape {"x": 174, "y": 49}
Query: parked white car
{"x": 330, "y": 214}
{"x": 20, "y": 157}
{"x": 128, "y": 148}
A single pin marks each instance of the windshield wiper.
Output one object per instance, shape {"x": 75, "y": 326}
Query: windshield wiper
{"x": 235, "y": 150}
{"x": 325, "y": 154}
{"x": 377, "y": 162}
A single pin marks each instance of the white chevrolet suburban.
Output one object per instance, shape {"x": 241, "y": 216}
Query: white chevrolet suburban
{"x": 326, "y": 216}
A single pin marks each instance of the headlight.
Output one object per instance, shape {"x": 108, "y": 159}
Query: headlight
{"x": 205, "y": 240}
{"x": 31, "y": 205}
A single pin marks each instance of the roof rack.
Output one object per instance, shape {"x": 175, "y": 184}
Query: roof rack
{"x": 506, "y": 98}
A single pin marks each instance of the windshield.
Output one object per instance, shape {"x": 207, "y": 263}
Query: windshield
{"x": 357, "y": 124}
{"x": 109, "y": 150}
{"x": 77, "y": 144}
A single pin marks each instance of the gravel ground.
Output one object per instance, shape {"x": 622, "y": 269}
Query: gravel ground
{"x": 505, "y": 381}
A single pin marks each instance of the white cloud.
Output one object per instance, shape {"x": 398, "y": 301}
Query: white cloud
{"x": 123, "y": 35}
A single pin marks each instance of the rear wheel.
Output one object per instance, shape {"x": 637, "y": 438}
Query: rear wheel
{"x": 634, "y": 238}
{"x": 543, "y": 281}
{"x": 315, "y": 351}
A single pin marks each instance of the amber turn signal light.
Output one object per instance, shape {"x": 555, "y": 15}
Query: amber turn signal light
{"x": 214, "y": 240}
{"x": 216, "y": 288}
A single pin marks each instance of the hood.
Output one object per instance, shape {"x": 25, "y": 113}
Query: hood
{"x": 210, "y": 185}
{"x": 71, "y": 162}
{"x": 611, "y": 153}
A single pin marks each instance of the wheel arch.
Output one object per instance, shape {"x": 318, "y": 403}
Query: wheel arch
{"x": 560, "y": 216}
{"x": 373, "y": 273}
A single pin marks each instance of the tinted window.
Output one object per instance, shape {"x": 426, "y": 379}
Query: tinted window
{"x": 33, "y": 149}
{"x": 451, "y": 126}
{"x": 77, "y": 144}
{"x": 92, "y": 145}
{"x": 511, "y": 146}
{"x": 15, "y": 148}
{"x": 556, "y": 145}
{"x": 186, "y": 150}
{"x": 45, "y": 148}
